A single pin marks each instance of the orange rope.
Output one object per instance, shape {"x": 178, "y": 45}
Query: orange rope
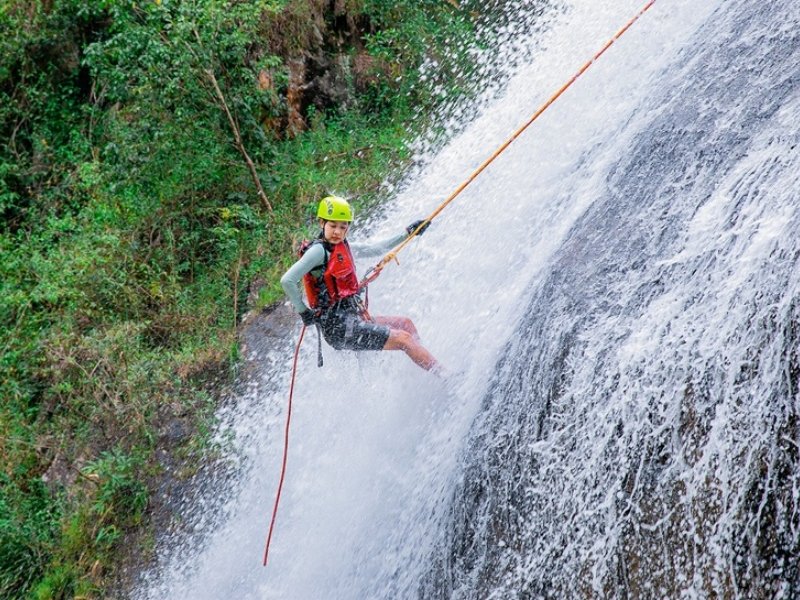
{"x": 373, "y": 273}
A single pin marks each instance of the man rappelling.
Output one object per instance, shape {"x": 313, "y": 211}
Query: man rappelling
{"x": 327, "y": 270}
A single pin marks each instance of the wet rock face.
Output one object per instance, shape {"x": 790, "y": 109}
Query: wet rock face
{"x": 259, "y": 329}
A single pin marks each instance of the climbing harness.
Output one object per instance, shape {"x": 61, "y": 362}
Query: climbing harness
{"x": 335, "y": 280}
{"x": 375, "y": 271}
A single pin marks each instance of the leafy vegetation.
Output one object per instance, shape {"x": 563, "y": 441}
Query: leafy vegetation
{"x": 158, "y": 158}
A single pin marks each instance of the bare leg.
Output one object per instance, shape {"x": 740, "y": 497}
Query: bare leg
{"x": 403, "y": 336}
{"x": 402, "y": 323}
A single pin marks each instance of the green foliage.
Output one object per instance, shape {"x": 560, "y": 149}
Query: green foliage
{"x": 27, "y": 524}
{"x": 119, "y": 492}
{"x": 425, "y": 46}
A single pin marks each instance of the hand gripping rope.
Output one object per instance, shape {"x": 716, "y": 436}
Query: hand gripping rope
{"x": 375, "y": 271}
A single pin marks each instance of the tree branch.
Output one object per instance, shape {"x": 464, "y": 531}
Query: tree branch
{"x": 237, "y": 136}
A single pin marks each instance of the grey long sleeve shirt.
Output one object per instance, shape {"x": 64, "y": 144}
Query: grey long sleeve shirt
{"x": 315, "y": 257}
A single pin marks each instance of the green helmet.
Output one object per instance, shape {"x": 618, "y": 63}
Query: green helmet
{"x": 334, "y": 208}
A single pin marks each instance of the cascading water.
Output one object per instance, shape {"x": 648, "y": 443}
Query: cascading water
{"x": 617, "y": 295}
{"x": 641, "y": 435}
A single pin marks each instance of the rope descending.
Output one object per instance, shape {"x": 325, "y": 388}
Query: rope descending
{"x": 285, "y": 448}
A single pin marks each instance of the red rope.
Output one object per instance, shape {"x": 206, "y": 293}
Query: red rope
{"x": 285, "y": 446}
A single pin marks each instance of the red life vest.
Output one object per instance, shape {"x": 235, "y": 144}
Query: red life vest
{"x": 337, "y": 281}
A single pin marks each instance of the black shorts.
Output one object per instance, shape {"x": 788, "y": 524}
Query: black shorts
{"x": 345, "y": 329}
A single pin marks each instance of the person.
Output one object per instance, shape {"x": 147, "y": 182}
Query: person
{"x": 327, "y": 270}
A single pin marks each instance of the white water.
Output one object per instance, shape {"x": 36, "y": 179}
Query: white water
{"x": 583, "y": 287}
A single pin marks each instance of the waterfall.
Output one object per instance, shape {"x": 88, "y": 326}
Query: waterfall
{"x": 640, "y": 437}
{"x": 616, "y": 296}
